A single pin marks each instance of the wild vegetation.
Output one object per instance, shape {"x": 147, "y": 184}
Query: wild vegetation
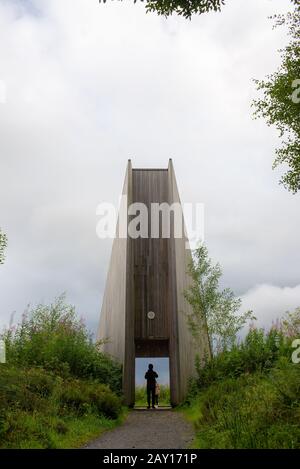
{"x": 57, "y": 389}
{"x": 248, "y": 396}
{"x": 213, "y": 310}
{"x": 279, "y": 103}
{"x": 185, "y": 8}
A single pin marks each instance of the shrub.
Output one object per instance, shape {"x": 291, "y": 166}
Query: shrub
{"x": 258, "y": 352}
{"x": 54, "y": 338}
{"x": 23, "y": 389}
{"x": 57, "y": 386}
{"x": 259, "y": 410}
{"x": 86, "y": 397}
{"x": 36, "y": 406}
{"x": 249, "y": 396}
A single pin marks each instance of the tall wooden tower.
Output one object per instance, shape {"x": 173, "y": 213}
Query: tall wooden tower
{"x": 144, "y": 311}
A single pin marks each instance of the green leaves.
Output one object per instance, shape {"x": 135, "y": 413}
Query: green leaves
{"x": 218, "y": 310}
{"x": 185, "y": 8}
{"x": 280, "y": 101}
{"x": 53, "y": 337}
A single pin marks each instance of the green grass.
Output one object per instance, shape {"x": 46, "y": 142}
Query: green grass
{"x": 39, "y": 409}
{"x": 141, "y": 396}
{"x": 259, "y": 410}
{"x": 249, "y": 396}
{"x": 54, "y": 338}
{"x": 57, "y": 389}
{"x": 35, "y": 431}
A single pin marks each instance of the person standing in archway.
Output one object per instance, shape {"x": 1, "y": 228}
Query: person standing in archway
{"x": 151, "y": 376}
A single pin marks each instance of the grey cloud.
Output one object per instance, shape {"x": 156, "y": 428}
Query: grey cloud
{"x": 88, "y": 88}
{"x": 270, "y": 303}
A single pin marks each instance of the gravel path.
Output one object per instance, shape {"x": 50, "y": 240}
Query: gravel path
{"x": 150, "y": 429}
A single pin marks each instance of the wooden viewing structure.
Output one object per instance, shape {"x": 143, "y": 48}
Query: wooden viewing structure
{"x": 144, "y": 310}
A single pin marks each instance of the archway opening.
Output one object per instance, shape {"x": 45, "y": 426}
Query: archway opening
{"x": 162, "y": 367}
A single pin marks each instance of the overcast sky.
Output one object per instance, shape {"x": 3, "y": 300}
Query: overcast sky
{"x": 87, "y": 86}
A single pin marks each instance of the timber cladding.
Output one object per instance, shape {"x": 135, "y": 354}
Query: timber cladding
{"x": 150, "y": 259}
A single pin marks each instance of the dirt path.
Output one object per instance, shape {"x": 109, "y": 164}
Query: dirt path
{"x": 153, "y": 429}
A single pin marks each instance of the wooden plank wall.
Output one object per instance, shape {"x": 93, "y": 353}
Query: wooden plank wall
{"x": 150, "y": 260}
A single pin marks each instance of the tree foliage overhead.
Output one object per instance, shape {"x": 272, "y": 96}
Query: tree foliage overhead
{"x": 185, "y": 8}
{"x": 280, "y": 101}
{"x": 3, "y": 244}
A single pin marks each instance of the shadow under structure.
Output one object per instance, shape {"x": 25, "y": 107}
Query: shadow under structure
{"x": 144, "y": 311}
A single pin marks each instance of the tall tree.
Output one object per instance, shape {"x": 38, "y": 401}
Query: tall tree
{"x": 280, "y": 101}
{"x": 219, "y": 309}
{"x": 3, "y": 244}
{"x": 185, "y": 8}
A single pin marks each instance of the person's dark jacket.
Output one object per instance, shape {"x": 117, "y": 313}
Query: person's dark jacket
{"x": 151, "y": 376}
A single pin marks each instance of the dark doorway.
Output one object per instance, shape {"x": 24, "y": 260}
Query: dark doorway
{"x": 151, "y": 348}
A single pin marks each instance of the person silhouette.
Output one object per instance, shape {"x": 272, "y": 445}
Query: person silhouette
{"x": 151, "y": 376}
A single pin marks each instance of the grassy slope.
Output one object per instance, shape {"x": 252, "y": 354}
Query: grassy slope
{"x": 39, "y": 409}
{"x": 259, "y": 410}
{"x": 56, "y": 389}
{"x": 40, "y": 432}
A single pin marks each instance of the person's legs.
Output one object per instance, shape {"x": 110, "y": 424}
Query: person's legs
{"x": 153, "y": 398}
{"x": 156, "y": 399}
{"x": 148, "y": 396}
